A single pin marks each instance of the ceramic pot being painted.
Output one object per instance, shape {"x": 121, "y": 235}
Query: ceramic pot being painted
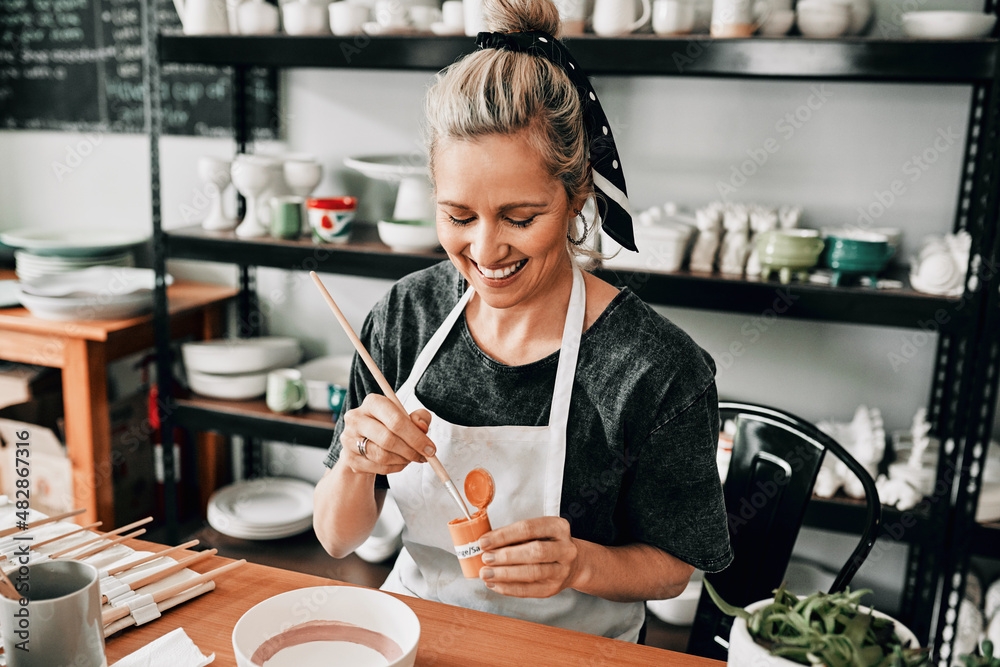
{"x": 857, "y": 253}
{"x": 789, "y": 252}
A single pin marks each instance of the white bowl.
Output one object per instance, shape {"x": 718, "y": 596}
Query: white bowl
{"x": 745, "y": 652}
{"x": 93, "y": 307}
{"x": 229, "y": 387}
{"x": 335, "y": 609}
{"x": 681, "y": 609}
{"x": 948, "y": 24}
{"x": 323, "y": 376}
{"x": 823, "y": 22}
{"x": 408, "y": 235}
{"x": 231, "y": 356}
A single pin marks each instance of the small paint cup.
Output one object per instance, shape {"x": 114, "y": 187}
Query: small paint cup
{"x": 286, "y": 217}
{"x": 330, "y": 218}
{"x": 465, "y": 534}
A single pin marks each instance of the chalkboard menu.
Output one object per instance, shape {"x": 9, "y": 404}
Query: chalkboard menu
{"x": 78, "y": 65}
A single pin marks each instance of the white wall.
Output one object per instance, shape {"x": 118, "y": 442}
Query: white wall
{"x": 678, "y": 138}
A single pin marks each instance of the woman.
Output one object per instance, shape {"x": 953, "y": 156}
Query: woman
{"x": 597, "y": 418}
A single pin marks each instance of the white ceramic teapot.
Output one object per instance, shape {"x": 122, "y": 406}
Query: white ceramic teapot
{"x": 203, "y": 17}
{"x": 617, "y": 17}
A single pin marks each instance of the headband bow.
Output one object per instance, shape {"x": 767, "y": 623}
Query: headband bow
{"x": 609, "y": 180}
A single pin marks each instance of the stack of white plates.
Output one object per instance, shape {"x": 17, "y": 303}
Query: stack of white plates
{"x": 262, "y": 509}
{"x": 28, "y": 265}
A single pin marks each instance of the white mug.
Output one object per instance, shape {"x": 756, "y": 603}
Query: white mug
{"x": 474, "y": 23}
{"x": 422, "y": 17}
{"x": 453, "y": 13}
{"x": 346, "y": 18}
{"x": 300, "y": 17}
{"x": 732, "y": 18}
{"x": 617, "y": 17}
{"x": 673, "y": 17}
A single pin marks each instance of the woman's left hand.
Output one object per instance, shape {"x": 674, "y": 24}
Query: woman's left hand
{"x": 533, "y": 558}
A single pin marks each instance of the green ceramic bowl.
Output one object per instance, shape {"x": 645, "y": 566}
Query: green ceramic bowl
{"x": 857, "y": 252}
{"x": 796, "y": 249}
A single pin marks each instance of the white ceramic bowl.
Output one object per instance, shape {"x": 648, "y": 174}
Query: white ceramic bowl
{"x": 408, "y": 235}
{"x": 345, "y": 607}
{"x": 231, "y": 356}
{"x": 823, "y": 22}
{"x": 93, "y": 307}
{"x": 745, "y": 652}
{"x": 238, "y": 387}
{"x": 681, "y": 609}
{"x": 948, "y": 24}
{"x": 777, "y": 23}
{"x": 324, "y": 375}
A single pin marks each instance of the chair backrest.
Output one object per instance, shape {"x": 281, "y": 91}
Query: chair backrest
{"x": 775, "y": 460}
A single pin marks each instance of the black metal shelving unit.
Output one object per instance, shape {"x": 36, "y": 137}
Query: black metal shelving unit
{"x": 967, "y": 362}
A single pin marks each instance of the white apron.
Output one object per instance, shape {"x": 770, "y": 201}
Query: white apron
{"x": 526, "y": 463}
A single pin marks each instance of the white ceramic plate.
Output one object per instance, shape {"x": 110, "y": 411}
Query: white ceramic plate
{"x": 95, "y": 281}
{"x": 388, "y": 167}
{"x": 948, "y": 24}
{"x": 96, "y": 307}
{"x": 265, "y": 503}
{"x": 75, "y": 243}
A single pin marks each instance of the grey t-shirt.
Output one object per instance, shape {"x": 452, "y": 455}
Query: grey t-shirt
{"x": 643, "y": 423}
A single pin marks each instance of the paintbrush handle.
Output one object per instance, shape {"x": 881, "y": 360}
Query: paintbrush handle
{"x": 167, "y": 571}
{"x": 41, "y": 522}
{"x": 152, "y": 557}
{"x": 386, "y": 388}
{"x": 101, "y": 547}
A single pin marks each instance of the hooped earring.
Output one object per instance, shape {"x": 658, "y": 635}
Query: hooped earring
{"x": 579, "y": 242}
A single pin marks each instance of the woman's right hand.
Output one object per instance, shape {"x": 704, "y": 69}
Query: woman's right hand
{"x": 392, "y": 439}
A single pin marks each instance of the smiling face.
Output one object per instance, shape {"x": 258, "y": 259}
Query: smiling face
{"x": 502, "y": 219}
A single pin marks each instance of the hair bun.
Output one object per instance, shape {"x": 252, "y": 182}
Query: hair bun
{"x": 521, "y": 15}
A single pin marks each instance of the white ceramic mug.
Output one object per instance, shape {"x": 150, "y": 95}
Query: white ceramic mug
{"x": 423, "y": 17}
{"x": 617, "y": 17}
{"x": 673, "y": 17}
{"x": 453, "y": 13}
{"x": 61, "y": 623}
{"x": 300, "y": 17}
{"x": 346, "y": 18}
{"x": 732, "y": 18}
{"x": 286, "y": 390}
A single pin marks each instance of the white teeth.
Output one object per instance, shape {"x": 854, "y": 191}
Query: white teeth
{"x": 502, "y": 273}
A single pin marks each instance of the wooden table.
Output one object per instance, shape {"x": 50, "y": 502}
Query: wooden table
{"x": 82, "y": 350}
{"x": 449, "y": 636}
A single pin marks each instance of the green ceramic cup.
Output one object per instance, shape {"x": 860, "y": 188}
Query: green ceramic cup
{"x": 286, "y": 217}
{"x": 796, "y": 249}
{"x": 858, "y": 252}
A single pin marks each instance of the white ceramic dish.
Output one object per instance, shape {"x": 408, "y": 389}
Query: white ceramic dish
{"x": 948, "y": 24}
{"x": 10, "y": 295}
{"x": 240, "y": 387}
{"x": 233, "y": 356}
{"x": 267, "y": 502}
{"x": 75, "y": 243}
{"x": 408, "y": 235}
{"x": 777, "y": 23}
{"x": 94, "y": 307}
{"x": 98, "y": 281}
{"x": 442, "y": 29}
{"x": 347, "y": 607}
{"x": 323, "y": 376}
{"x": 823, "y": 22}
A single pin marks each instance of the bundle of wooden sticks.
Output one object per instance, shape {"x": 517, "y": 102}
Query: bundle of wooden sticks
{"x": 117, "y": 614}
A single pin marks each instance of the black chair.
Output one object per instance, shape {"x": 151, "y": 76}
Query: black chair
{"x": 776, "y": 458}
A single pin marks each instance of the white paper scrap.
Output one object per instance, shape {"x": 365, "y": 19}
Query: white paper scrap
{"x": 174, "y": 649}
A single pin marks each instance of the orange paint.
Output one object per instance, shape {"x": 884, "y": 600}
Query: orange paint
{"x": 465, "y": 533}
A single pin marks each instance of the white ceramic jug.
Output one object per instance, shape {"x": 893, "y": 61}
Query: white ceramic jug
{"x": 617, "y": 17}
{"x": 203, "y": 17}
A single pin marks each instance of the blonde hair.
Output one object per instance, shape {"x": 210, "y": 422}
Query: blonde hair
{"x": 498, "y": 92}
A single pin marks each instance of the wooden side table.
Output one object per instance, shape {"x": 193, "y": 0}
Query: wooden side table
{"x": 82, "y": 350}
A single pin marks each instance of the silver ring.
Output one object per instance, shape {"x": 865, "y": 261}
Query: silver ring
{"x": 362, "y": 445}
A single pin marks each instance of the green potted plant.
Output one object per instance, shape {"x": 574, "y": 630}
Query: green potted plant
{"x": 819, "y": 629}
{"x": 984, "y": 659}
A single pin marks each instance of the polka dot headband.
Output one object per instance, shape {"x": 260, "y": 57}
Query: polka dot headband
{"x": 609, "y": 181}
